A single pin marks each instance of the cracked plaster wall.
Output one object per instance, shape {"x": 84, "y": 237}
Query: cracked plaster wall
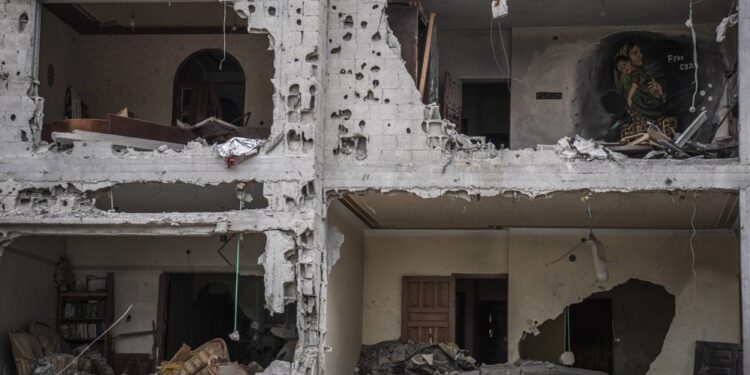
{"x": 538, "y": 292}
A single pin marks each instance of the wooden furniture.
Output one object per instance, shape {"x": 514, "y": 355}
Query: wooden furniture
{"x": 84, "y": 315}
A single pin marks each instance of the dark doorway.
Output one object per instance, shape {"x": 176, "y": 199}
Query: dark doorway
{"x": 209, "y": 84}
{"x": 482, "y": 317}
{"x": 485, "y": 111}
{"x": 591, "y": 334}
{"x": 610, "y": 331}
{"x": 198, "y": 307}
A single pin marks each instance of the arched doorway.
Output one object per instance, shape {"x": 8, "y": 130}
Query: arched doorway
{"x": 204, "y": 86}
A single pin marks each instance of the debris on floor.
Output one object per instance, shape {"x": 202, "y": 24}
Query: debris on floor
{"x": 585, "y": 149}
{"x": 238, "y": 149}
{"x": 212, "y": 129}
{"x": 529, "y": 368}
{"x": 42, "y": 352}
{"x": 211, "y": 358}
{"x": 410, "y": 358}
{"x": 398, "y": 357}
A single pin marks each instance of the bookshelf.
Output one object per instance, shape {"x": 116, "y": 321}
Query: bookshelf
{"x": 84, "y": 315}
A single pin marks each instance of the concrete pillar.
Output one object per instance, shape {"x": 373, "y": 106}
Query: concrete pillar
{"x": 744, "y": 79}
{"x": 745, "y": 274}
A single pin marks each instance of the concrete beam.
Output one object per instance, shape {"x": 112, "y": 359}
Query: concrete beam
{"x": 156, "y": 224}
{"x": 743, "y": 51}
{"x": 745, "y": 274}
{"x": 430, "y": 180}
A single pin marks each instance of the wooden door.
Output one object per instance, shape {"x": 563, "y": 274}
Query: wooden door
{"x": 427, "y": 311}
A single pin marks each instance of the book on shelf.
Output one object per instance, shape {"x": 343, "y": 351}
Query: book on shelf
{"x": 84, "y": 310}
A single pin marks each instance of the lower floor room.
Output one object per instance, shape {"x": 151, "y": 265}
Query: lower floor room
{"x": 605, "y": 283}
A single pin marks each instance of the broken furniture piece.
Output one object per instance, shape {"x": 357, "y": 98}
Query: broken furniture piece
{"x": 211, "y": 129}
{"x": 119, "y": 130}
{"x": 211, "y": 358}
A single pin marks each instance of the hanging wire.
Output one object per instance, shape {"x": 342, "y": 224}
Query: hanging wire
{"x": 237, "y": 273}
{"x": 692, "y": 251}
{"x": 695, "y": 56}
{"x": 224, "y": 34}
{"x": 95, "y": 340}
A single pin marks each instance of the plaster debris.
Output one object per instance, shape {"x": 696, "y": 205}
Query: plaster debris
{"x": 499, "y": 8}
{"x": 279, "y": 275}
{"x": 726, "y": 23}
{"x": 585, "y": 149}
{"x": 238, "y": 149}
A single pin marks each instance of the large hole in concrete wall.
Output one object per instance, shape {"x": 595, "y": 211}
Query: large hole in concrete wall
{"x": 620, "y": 331}
{"x": 179, "y": 197}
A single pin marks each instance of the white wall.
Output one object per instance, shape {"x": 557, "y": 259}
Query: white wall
{"x": 27, "y": 290}
{"x": 138, "y": 71}
{"x": 345, "y": 294}
{"x": 60, "y": 46}
{"x": 137, "y": 263}
{"x": 390, "y": 255}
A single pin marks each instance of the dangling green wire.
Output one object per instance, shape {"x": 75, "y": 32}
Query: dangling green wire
{"x": 235, "y": 334}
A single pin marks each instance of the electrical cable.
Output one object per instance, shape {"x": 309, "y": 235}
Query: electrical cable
{"x": 695, "y": 56}
{"x": 692, "y": 251}
{"x": 235, "y": 335}
{"x": 95, "y": 340}
{"x": 224, "y": 33}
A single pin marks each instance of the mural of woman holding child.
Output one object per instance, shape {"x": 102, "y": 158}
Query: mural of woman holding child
{"x": 645, "y": 97}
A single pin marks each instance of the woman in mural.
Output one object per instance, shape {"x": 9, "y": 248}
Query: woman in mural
{"x": 645, "y": 96}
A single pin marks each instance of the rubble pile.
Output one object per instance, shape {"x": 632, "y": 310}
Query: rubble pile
{"x": 399, "y": 357}
{"x": 410, "y": 358}
{"x": 211, "y": 358}
{"x": 42, "y": 352}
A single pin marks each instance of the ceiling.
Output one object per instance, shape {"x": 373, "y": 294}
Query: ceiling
{"x": 658, "y": 210}
{"x": 476, "y": 14}
{"x": 109, "y": 18}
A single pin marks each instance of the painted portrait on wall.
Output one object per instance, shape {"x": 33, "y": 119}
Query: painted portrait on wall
{"x": 633, "y": 79}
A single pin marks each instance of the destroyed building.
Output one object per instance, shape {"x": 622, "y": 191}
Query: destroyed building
{"x": 375, "y": 186}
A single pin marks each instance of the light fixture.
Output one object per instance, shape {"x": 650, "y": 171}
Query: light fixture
{"x": 132, "y": 19}
{"x": 602, "y": 11}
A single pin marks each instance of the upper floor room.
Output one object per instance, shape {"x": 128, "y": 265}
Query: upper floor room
{"x": 637, "y": 79}
{"x": 396, "y": 81}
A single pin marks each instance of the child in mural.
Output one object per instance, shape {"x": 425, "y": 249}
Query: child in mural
{"x": 645, "y": 96}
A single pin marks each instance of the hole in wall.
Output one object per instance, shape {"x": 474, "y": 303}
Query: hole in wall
{"x": 179, "y": 197}
{"x": 23, "y": 20}
{"x": 609, "y": 331}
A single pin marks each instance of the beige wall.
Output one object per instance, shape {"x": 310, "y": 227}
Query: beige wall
{"x": 60, "y": 47}
{"x": 344, "y": 303}
{"x": 538, "y": 292}
{"x": 137, "y": 263}
{"x": 27, "y": 289}
{"x": 137, "y": 71}
{"x": 390, "y": 255}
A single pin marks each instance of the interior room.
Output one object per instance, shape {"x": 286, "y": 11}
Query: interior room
{"x": 523, "y": 80}
{"x": 122, "y": 69}
{"x": 509, "y": 277}
{"x": 160, "y": 293}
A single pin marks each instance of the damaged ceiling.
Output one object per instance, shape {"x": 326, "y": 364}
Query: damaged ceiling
{"x": 475, "y": 14}
{"x": 164, "y": 17}
{"x": 714, "y": 210}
